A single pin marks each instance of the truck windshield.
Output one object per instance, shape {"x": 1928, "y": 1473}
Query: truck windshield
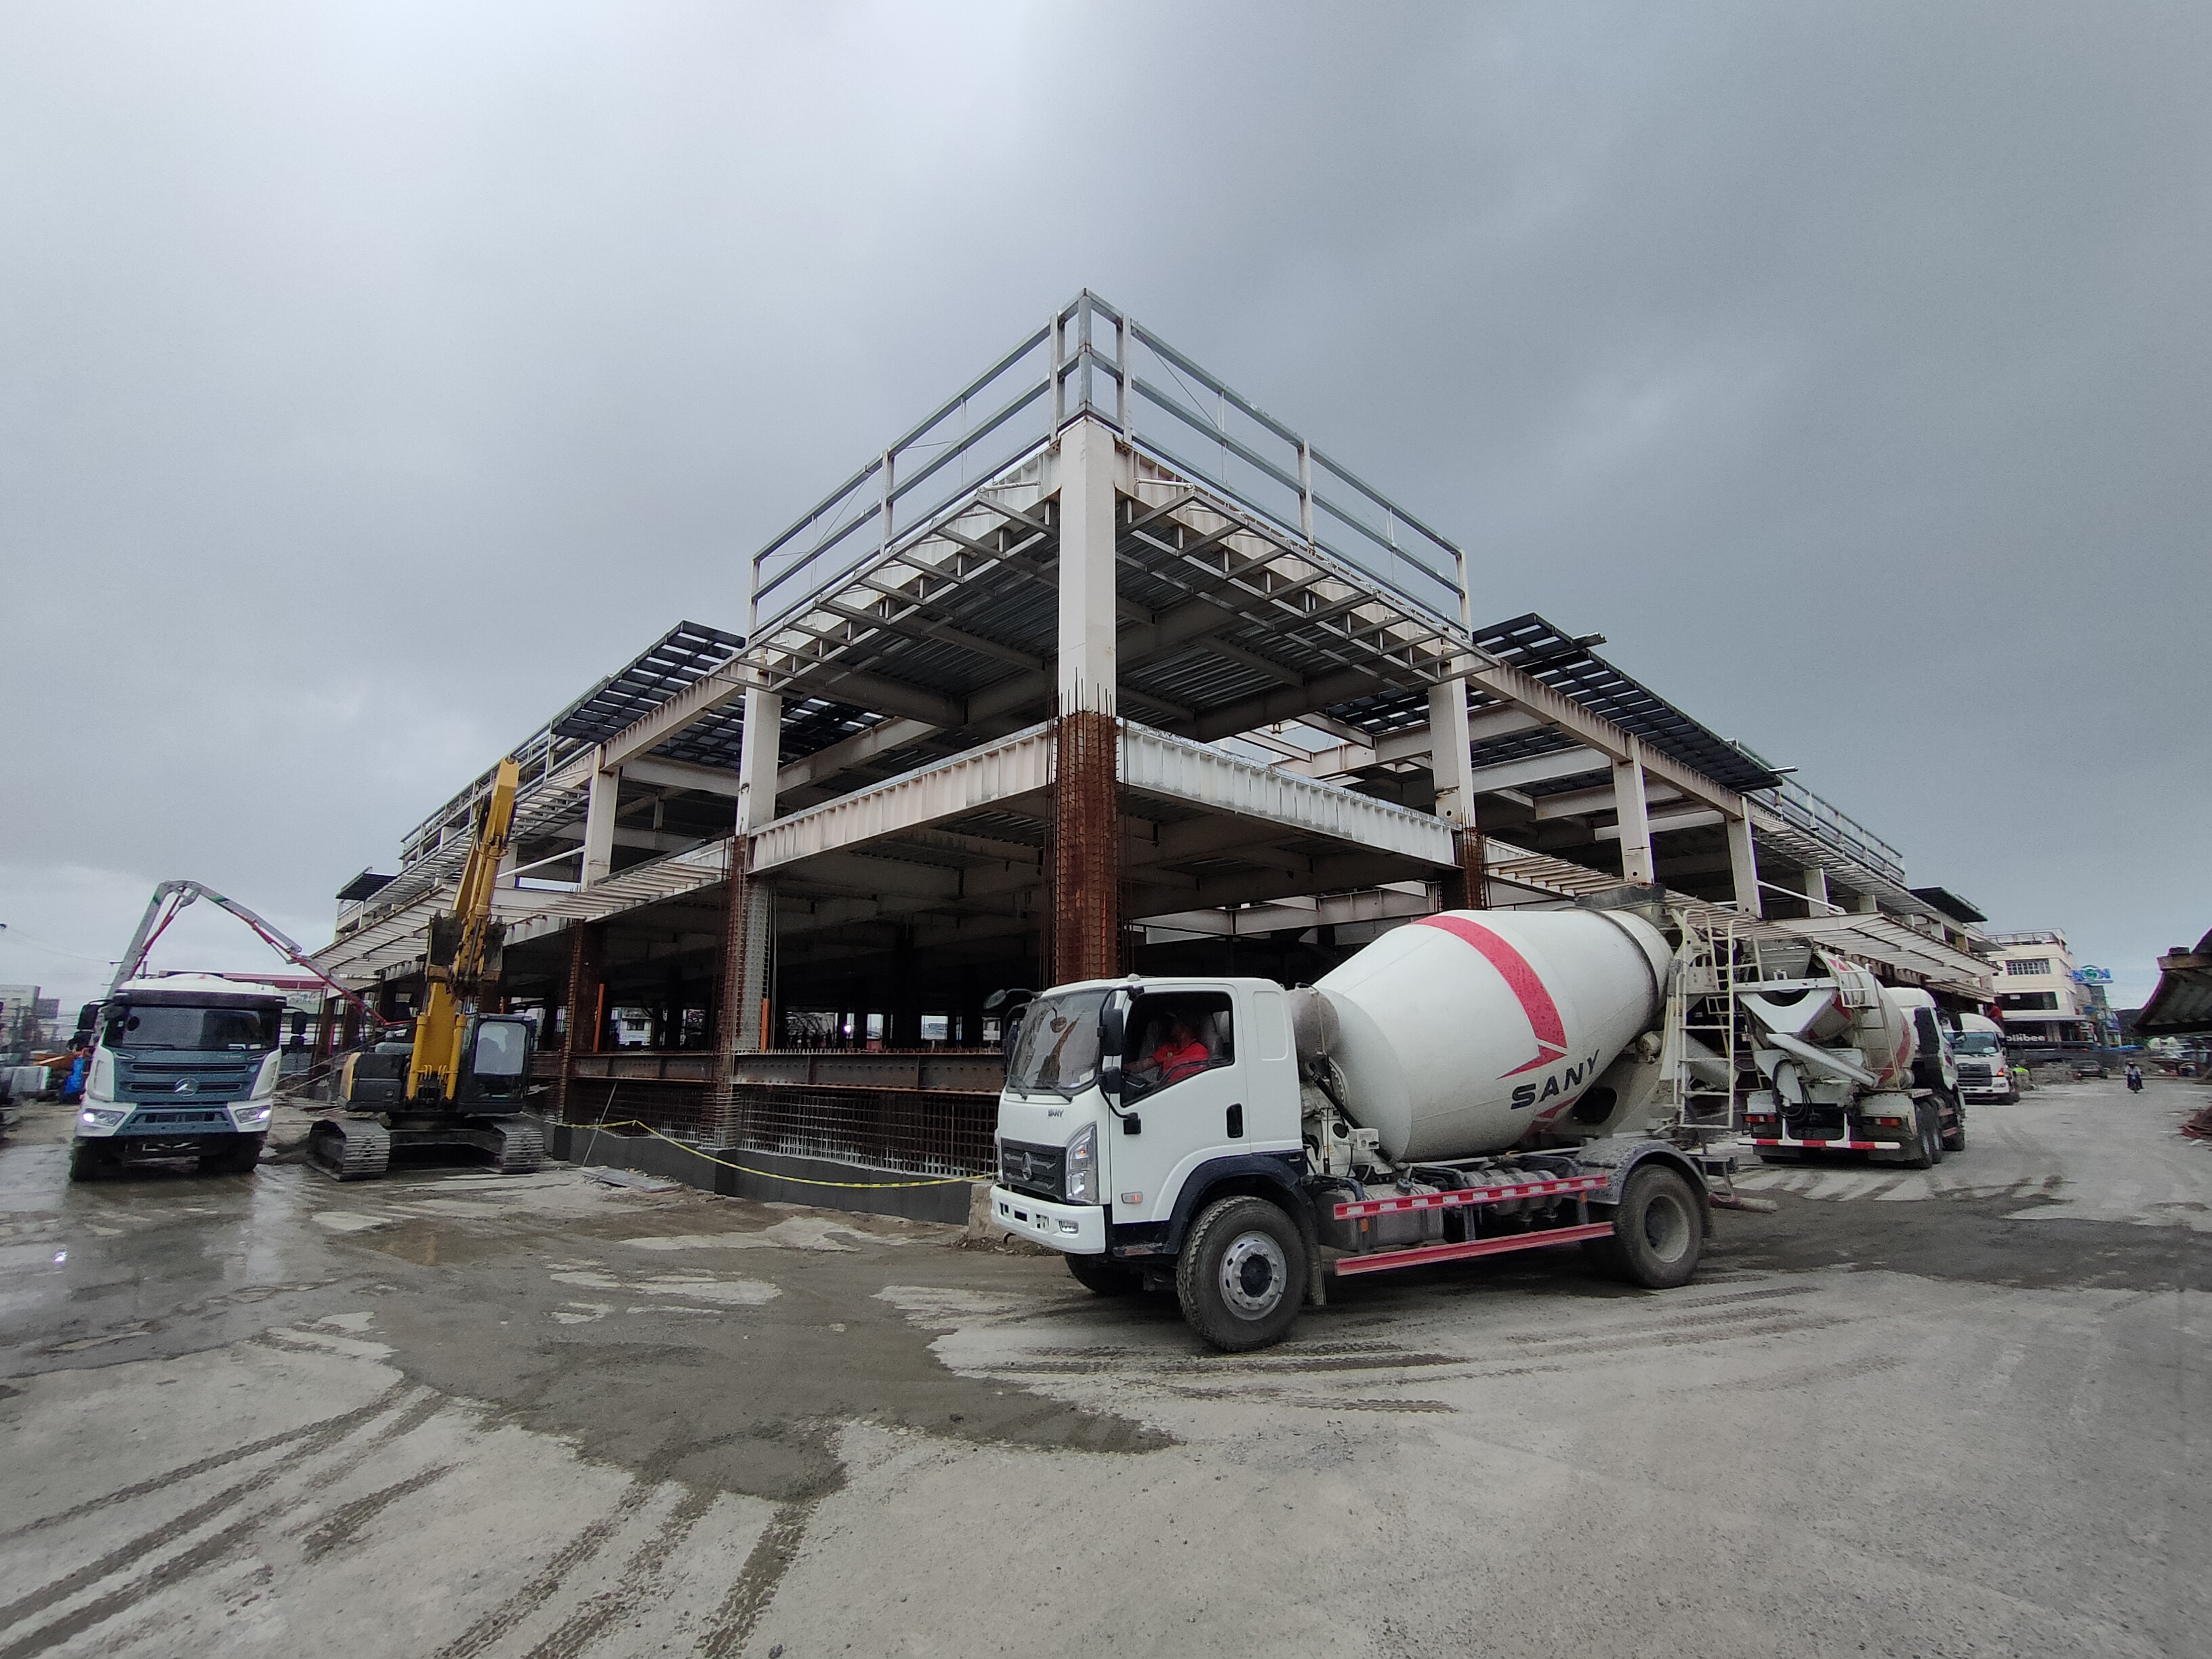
{"x": 167, "y": 1026}
{"x": 1057, "y": 1051}
{"x": 1974, "y": 1042}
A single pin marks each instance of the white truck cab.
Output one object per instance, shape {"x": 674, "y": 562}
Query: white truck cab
{"x": 1983, "y": 1061}
{"x": 1096, "y": 1141}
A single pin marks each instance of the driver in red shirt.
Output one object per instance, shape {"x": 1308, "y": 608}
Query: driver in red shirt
{"x": 1180, "y": 1056}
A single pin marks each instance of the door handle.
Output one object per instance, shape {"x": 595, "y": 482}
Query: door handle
{"x": 1237, "y": 1122}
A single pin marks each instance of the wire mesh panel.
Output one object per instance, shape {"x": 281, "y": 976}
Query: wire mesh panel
{"x": 932, "y": 1132}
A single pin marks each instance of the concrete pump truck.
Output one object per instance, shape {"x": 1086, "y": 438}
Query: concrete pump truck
{"x": 462, "y": 1078}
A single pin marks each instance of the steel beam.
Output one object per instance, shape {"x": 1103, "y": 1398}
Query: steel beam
{"x": 1015, "y": 766}
{"x": 682, "y": 774}
{"x": 1086, "y": 674}
{"x": 1536, "y": 768}
{"x": 757, "y": 752}
{"x": 1634, "y": 828}
{"x": 605, "y": 791}
{"x": 1449, "y": 758}
{"x": 1743, "y": 863}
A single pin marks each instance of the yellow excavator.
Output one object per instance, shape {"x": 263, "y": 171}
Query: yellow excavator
{"x": 462, "y": 1078}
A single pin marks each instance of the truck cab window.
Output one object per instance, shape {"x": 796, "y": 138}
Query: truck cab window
{"x": 1175, "y": 1035}
{"x": 1057, "y": 1050}
{"x": 160, "y": 1025}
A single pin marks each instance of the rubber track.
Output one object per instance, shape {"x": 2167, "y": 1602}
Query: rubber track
{"x": 355, "y": 1149}
{"x": 522, "y": 1147}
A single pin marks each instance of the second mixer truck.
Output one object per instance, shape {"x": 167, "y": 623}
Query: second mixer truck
{"x": 1470, "y": 1084}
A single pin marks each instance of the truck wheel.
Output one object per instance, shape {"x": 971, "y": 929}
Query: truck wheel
{"x": 1955, "y": 1138}
{"x": 1658, "y": 1231}
{"x": 88, "y": 1161}
{"x": 240, "y": 1157}
{"x": 1242, "y": 1274}
{"x": 1928, "y": 1145}
{"x": 1102, "y": 1278}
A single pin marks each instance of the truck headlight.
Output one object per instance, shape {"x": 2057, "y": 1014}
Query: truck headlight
{"x": 1080, "y": 1185}
{"x": 264, "y": 1083}
{"x": 97, "y": 1117}
{"x": 250, "y": 1117}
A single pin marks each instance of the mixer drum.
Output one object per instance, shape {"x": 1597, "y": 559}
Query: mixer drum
{"x": 1459, "y": 1034}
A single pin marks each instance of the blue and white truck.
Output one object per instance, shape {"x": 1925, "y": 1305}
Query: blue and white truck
{"x": 184, "y": 1066}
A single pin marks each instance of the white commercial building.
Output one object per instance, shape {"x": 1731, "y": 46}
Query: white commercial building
{"x": 2040, "y": 995}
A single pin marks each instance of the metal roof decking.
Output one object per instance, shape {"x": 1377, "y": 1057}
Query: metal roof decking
{"x": 1568, "y": 665}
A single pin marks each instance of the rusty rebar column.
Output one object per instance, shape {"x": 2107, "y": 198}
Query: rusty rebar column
{"x": 719, "y": 1125}
{"x": 587, "y": 949}
{"x": 1467, "y": 886}
{"x": 1086, "y": 847}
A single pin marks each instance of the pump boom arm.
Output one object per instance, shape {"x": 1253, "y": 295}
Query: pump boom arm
{"x": 169, "y": 901}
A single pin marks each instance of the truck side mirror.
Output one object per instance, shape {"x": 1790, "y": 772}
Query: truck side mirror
{"x": 1113, "y": 1031}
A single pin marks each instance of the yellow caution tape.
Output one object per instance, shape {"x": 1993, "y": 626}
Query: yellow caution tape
{"x": 770, "y": 1174}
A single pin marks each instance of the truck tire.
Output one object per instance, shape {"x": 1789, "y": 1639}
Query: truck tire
{"x": 1955, "y": 1138}
{"x": 1102, "y": 1278}
{"x": 88, "y": 1160}
{"x": 1928, "y": 1150}
{"x": 1242, "y": 1274}
{"x": 1658, "y": 1231}
{"x": 240, "y": 1157}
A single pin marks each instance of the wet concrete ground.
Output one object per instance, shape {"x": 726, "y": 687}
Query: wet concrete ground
{"x": 453, "y": 1413}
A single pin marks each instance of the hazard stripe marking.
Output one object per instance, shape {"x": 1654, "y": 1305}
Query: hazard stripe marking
{"x": 1543, "y": 1021}
{"x": 1838, "y": 1145}
{"x": 1366, "y": 1206}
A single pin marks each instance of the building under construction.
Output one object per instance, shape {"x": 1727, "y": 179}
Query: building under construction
{"x": 1098, "y": 669}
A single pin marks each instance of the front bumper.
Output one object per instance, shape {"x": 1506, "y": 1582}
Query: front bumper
{"x": 218, "y": 1120}
{"x": 1077, "y": 1229}
{"x": 1828, "y": 1145}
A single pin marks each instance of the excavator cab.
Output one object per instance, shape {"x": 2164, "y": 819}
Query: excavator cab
{"x": 495, "y": 1063}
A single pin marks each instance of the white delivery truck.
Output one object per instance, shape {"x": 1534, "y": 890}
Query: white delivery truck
{"x": 1470, "y": 1084}
{"x": 1984, "y": 1063}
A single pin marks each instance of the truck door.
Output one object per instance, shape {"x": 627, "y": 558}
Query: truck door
{"x": 1180, "y": 1079}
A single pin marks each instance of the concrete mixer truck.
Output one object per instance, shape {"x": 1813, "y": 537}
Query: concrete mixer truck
{"x": 1848, "y": 1064}
{"x": 1470, "y": 1084}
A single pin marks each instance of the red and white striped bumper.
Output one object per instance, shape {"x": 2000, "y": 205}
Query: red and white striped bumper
{"x": 1835, "y": 1146}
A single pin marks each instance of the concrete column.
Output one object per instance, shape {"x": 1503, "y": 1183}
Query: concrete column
{"x": 586, "y": 952}
{"x": 1867, "y": 904}
{"x": 1087, "y": 617}
{"x": 599, "y": 825}
{"x": 757, "y": 752}
{"x": 1450, "y": 759}
{"x": 1086, "y": 782}
{"x": 1743, "y": 866}
{"x": 1628, "y": 802}
{"x": 1816, "y": 891}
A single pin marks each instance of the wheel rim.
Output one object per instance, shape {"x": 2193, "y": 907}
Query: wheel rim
{"x": 1253, "y": 1274}
{"x": 1667, "y": 1227}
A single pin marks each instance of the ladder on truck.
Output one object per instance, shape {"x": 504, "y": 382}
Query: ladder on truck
{"x": 1701, "y": 1048}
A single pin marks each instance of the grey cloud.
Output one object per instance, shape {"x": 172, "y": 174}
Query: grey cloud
{"x": 375, "y": 377}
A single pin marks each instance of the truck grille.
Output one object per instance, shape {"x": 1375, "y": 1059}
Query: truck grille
{"x": 151, "y": 1080}
{"x": 1037, "y": 1169}
{"x": 1973, "y": 1071}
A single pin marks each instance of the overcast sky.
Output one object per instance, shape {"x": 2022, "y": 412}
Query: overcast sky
{"x": 374, "y": 378}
